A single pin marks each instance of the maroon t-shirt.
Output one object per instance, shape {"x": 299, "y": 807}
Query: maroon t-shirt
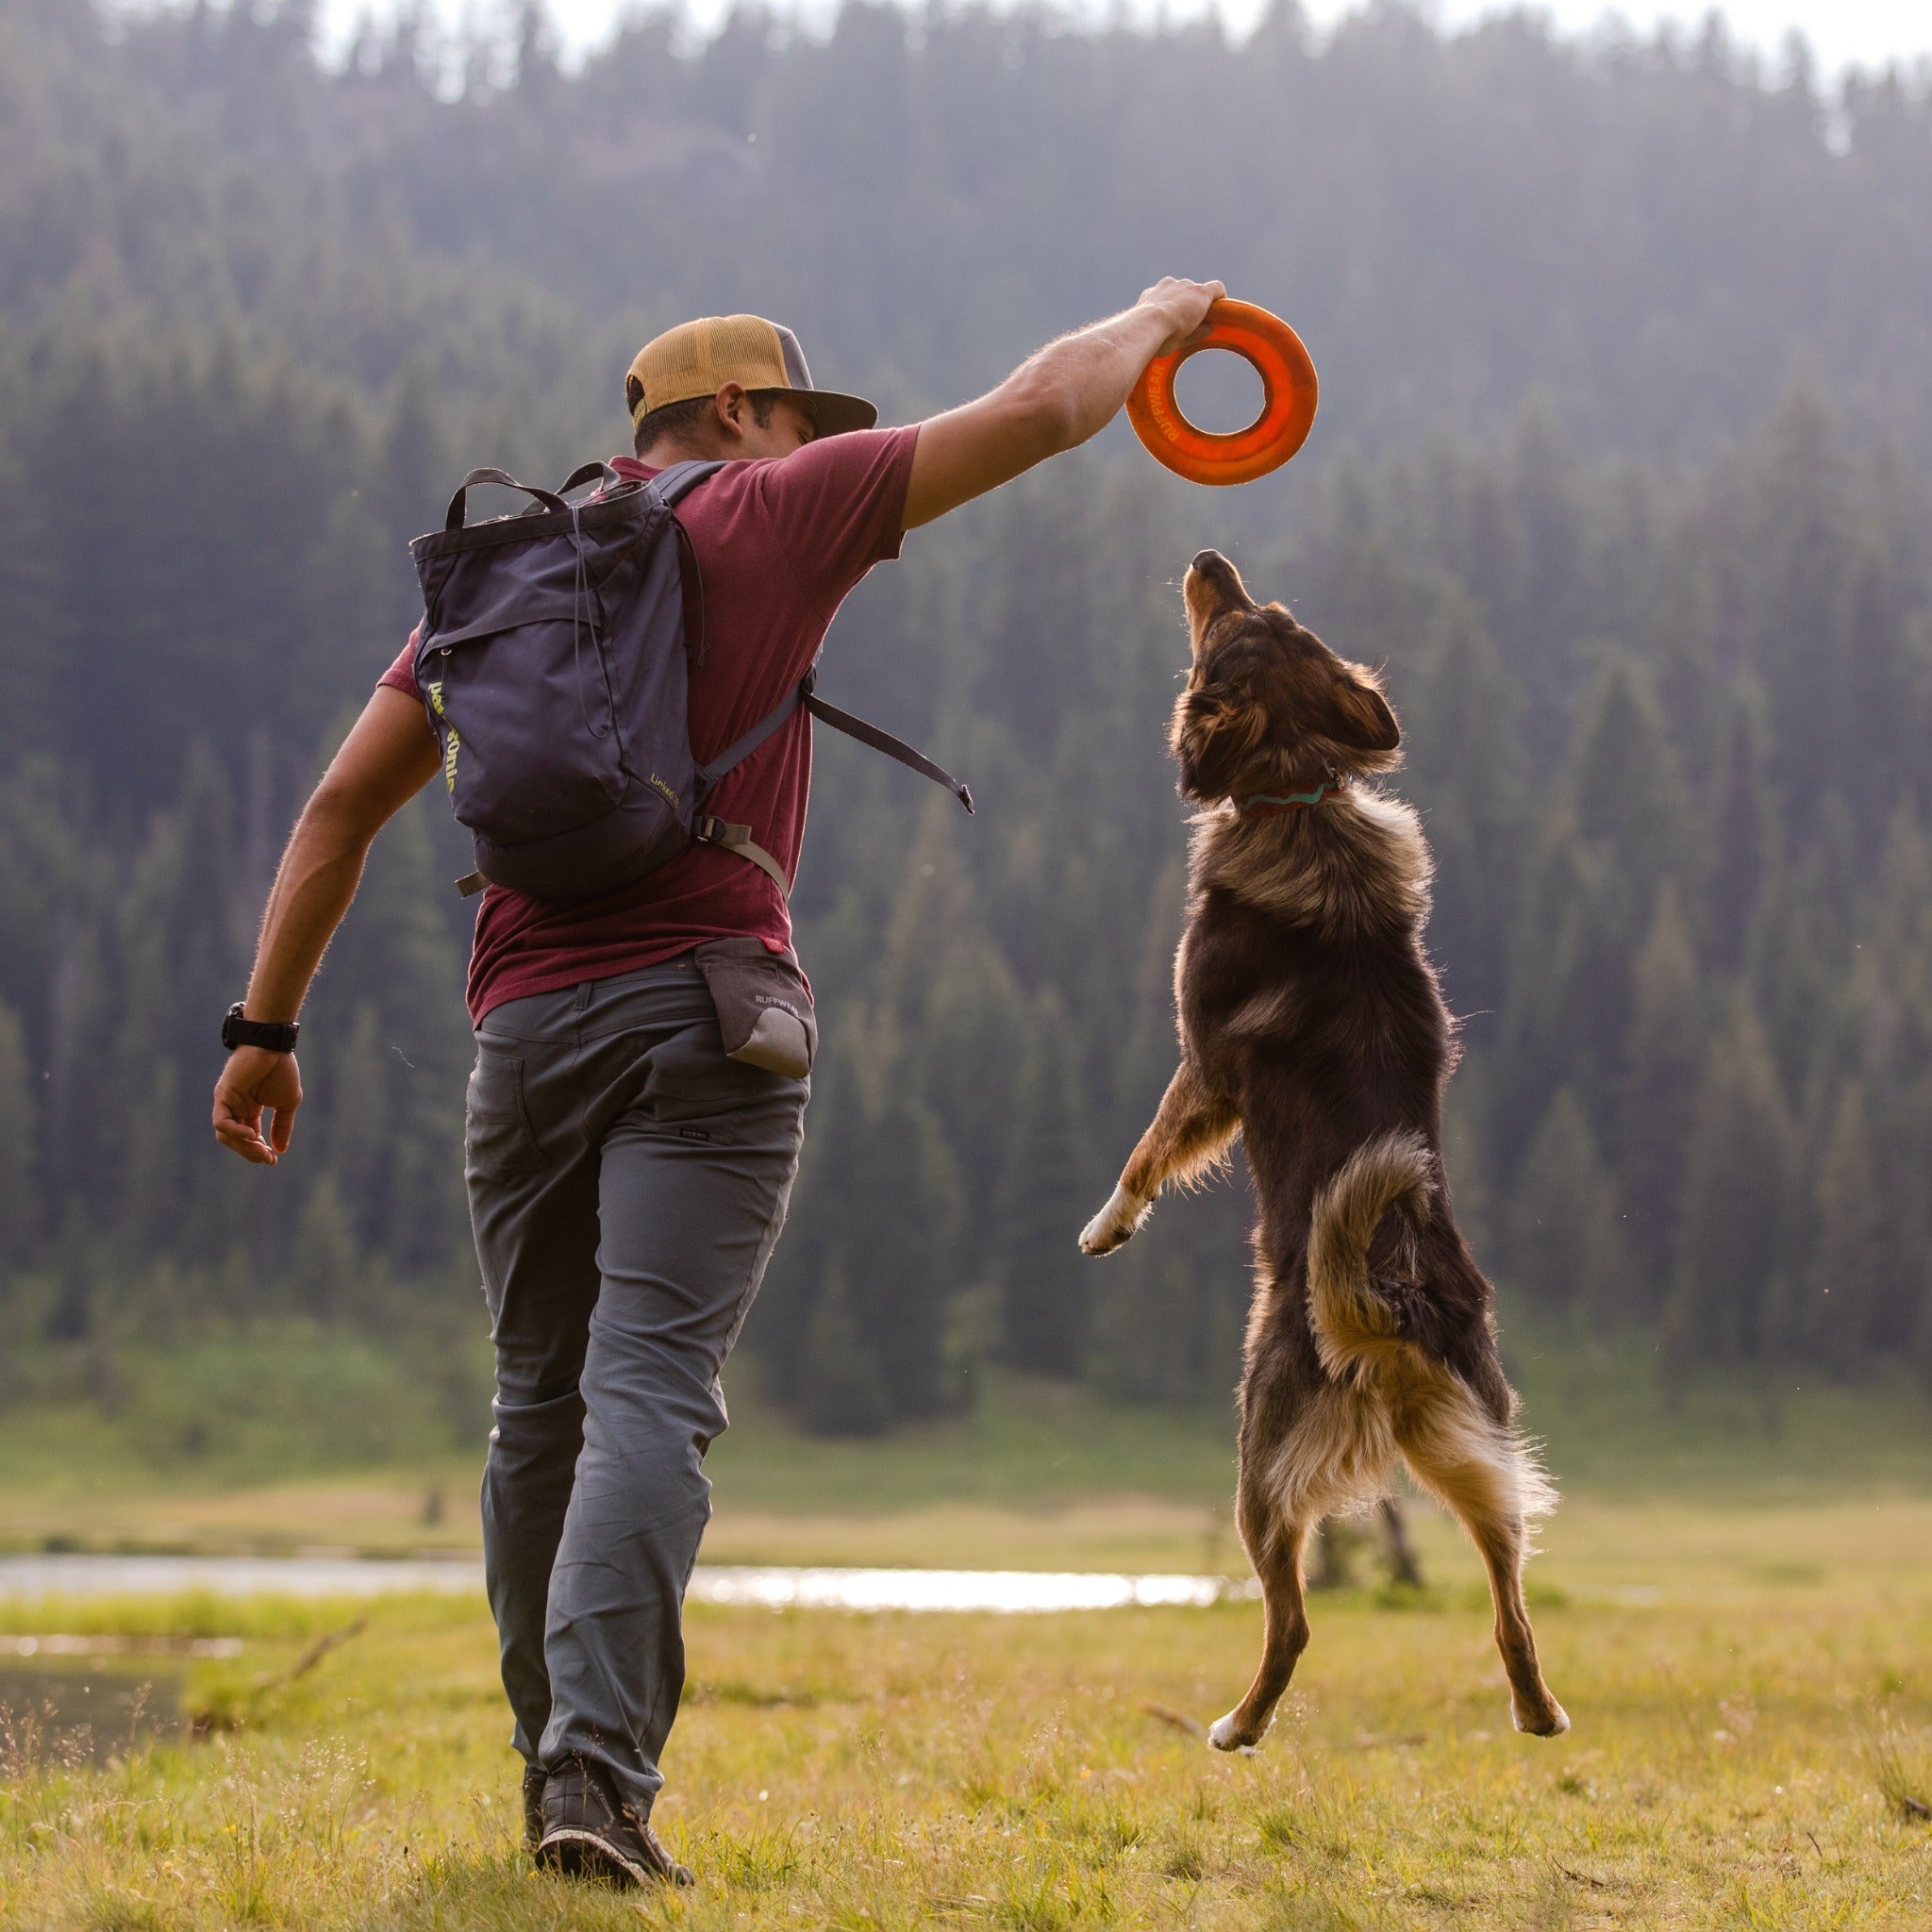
{"x": 779, "y": 542}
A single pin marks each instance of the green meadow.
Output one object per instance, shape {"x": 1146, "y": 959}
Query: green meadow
{"x": 1735, "y": 1604}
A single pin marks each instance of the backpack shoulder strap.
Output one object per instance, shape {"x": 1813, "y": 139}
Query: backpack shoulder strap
{"x": 803, "y": 693}
{"x": 882, "y": 741}
{"x": 681, "y": 479}
{"x": 736, "y": 754}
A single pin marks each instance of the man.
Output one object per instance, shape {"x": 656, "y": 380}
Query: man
{"x": 626, "y": 1180}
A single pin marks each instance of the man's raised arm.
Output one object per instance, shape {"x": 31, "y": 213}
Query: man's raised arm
{"x": 388, "y": 757}
{"x": 1052, "y": 402}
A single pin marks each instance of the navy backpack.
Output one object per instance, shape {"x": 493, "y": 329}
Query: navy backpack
{"x": 552, "y": 660}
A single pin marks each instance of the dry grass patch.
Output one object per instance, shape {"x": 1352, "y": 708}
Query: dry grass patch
{"x": 1740, "y": 1759}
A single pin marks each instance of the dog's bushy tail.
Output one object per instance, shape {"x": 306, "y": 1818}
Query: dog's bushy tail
{"x": 1456, "y": 1447}
{"x": 1355, "y": 1325}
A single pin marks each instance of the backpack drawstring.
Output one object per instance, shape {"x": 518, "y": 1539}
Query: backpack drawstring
{"x": 578, "y": 591}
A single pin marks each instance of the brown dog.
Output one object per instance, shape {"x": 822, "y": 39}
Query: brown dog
{"x": 1311, "y": 1024}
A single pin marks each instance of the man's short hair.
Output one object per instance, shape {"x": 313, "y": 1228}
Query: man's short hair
{"x": 678, "y": 419}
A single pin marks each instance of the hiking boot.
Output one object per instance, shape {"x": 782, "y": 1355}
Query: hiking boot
{"x": 535, "y": 1778}
{"x": 589, "y": 1834}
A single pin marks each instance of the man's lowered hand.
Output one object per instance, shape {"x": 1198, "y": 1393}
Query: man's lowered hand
{"x": 255, "y": 1080}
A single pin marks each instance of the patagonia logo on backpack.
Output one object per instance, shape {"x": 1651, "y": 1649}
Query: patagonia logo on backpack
{"x": 552, "y": 659}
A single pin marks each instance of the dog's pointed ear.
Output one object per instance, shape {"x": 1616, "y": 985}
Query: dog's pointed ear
{"x": 1361, "y": 715}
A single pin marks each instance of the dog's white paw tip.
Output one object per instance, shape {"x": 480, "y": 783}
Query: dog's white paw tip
{"x": 1099, "y": 1237}
{"x": 1553, "y": 1726}
{"x": 1224, "y": 1736}
{"x": 1115, "y": 1223}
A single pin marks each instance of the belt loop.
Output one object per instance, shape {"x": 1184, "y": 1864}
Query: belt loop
{"x": 584, "y": 989}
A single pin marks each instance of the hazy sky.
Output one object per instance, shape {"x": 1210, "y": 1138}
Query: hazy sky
{"x": 1841, "y": 32}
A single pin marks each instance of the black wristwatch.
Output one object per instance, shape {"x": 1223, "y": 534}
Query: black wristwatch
{"x": 275, "y": 1036}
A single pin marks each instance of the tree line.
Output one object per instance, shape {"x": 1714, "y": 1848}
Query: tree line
{"x": 1667, "y": 697}
{"x": 1657, "y": 231}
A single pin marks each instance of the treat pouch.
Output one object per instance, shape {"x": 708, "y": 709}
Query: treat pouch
{"x": 764, "y": 1006}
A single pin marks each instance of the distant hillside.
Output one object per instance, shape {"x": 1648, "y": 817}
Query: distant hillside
{"x": 1648, "y": 232}
{"x": 1621, "y": 475}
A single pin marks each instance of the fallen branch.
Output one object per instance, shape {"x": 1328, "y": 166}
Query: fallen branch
{"x": 1584, "y": 1878}
{"x": 328, "y": 1640}
{"x": 1178, "y": 1719}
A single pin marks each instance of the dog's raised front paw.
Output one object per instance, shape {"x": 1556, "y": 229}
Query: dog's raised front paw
{"x": 1114, "y": 1224}
{"x": 1224, "y": 1734}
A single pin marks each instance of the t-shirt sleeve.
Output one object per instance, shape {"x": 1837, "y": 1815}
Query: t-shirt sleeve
{"x": 401, "y": 676}
{"x": 838, "y": 507}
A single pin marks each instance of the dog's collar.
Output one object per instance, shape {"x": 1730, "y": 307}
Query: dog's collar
{"x": 1265, "y": 804}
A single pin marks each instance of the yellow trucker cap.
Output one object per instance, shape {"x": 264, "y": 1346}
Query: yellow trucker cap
{"x": 697, "y": 358}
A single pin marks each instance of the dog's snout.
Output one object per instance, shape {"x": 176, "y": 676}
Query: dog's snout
{"x": 1214, "y": 585}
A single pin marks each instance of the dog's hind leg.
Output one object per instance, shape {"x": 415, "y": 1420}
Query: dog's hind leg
{"x": 1275, "y": 1542}
{"x": 1488, "y": 1479}
{"x": 1190, "y": 1130}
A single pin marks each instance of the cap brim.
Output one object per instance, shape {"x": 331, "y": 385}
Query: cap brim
{"x": 834, "y": 413}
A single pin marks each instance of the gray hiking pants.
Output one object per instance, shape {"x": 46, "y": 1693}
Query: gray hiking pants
{"x": 626, "y": 1184}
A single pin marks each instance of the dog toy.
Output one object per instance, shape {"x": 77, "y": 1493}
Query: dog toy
{"x": 1288, "y": 407}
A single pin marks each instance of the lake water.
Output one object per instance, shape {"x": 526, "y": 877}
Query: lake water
{"x": 72, "y": 1708}
{"x": 1007, "y": 1592}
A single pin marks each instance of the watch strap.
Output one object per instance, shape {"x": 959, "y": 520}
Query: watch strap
{"x": 272, "y": 1036}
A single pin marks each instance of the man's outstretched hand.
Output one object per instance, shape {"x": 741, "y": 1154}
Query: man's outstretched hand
{"x": 1052, "y": 402}
{"x": 1183, "y": 305}
{"x": 255, "y": 1080}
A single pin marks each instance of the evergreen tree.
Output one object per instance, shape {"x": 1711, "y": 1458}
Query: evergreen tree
{"x": 323, "y": 1262}
{"x": 1850, "y": 1266}
{"x": 1568, "y": 1247}
{"x": 1046, "y": 1198}
{"x": 1661, "y": 1064}
{"x": 875, "y": 1223}
{"x": 842, "y": 1387}
{"x": 1624, "y": 785}
{"x": 971, "y": 1052}
{"x": 1734, "y": 1242}
{"x": 1738, "y": 862}
{"x": 1462, "y": 721}
{"x": 20, "y": 1201}
{"x": 352, "y": 1118}
{"x": 1920, "y": 1351}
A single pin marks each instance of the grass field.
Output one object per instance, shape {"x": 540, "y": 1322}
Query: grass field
{"x": 1746, "y": 1726}
{"x": 1735, "y": 1605}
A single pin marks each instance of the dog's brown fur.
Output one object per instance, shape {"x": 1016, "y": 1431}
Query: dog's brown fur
{"x": 1311, "y": 1024}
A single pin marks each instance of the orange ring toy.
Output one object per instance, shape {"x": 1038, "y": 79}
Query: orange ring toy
{"x": 1288, "y": 391}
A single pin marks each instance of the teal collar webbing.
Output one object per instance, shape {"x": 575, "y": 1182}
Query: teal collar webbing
{"x": 1266, "y": 805}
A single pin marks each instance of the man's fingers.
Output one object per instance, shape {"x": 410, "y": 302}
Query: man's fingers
{"x": 1188, "y": 304}
{"x": 236, "y": 1127}
{"x": 244, "y": 1141}
{"x": 256, "y": 1083}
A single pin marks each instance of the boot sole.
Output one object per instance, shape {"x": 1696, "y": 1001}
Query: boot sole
{"x": 579, "y": 1854}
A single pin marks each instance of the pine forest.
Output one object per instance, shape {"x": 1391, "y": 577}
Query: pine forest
{"x": 1620, "y": 479}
